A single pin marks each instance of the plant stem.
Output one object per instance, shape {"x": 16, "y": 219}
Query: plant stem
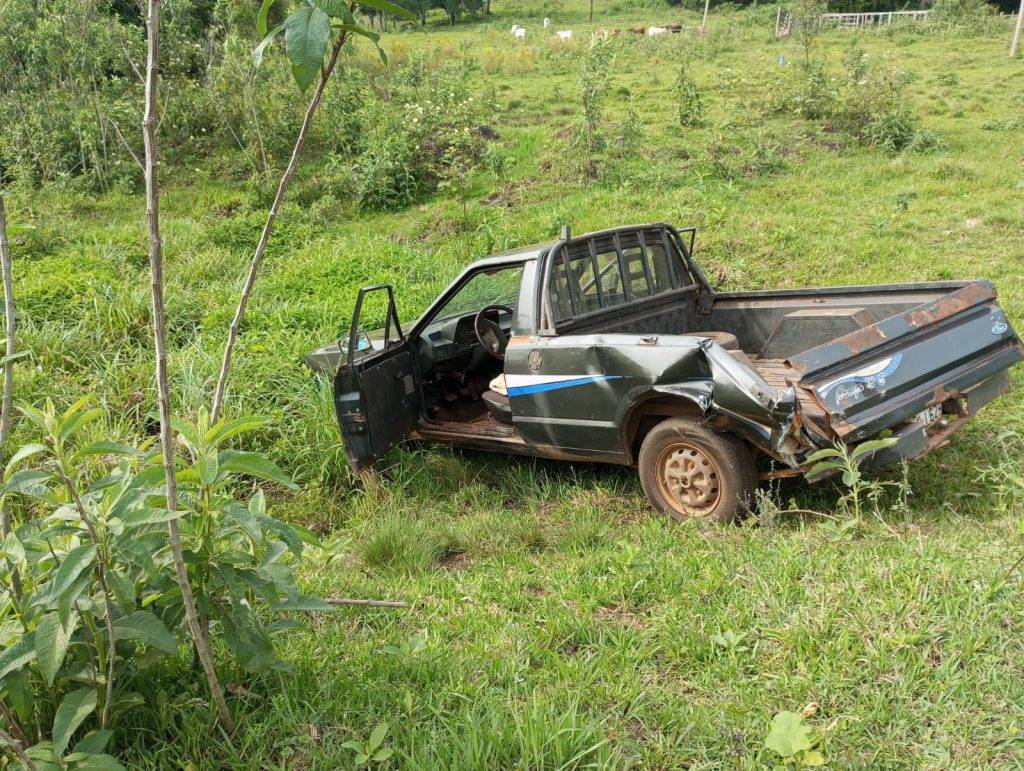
{"x": 108, "y": 605}
{"x": 261, "y": 246}
{"x": 12, "y": 723}
{"x": 156, "y": 264}
{"x": 5, "y": 402}
{"x": 18, "y": 750}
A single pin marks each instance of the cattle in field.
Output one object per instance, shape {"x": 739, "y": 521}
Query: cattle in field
{"x": 638, "y": 30}
{"x": 519, "y": 33}
{"x": 652, "y": 31}
{"x": 564, "y": 34}
{"x": 547, "y": 22}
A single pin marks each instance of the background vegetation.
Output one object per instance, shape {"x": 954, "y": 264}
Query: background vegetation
{"x": 553, "y": 620}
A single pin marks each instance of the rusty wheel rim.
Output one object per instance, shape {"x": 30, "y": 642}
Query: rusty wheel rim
{"x": 689, "y": 480}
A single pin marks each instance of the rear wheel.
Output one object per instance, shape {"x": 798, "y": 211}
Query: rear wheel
{"x": 690, "y": 472}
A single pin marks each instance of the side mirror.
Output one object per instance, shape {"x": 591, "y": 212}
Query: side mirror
{"x": 363, "y": 342}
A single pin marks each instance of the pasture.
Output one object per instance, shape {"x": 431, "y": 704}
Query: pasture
{"x": 554, "y": 621}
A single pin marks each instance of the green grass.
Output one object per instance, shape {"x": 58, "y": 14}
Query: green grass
{"x": 563, "y": 623}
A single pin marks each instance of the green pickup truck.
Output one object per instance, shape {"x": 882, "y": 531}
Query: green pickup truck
{"x": 613, "y": 347}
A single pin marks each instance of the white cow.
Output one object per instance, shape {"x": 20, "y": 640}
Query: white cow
{"x": 547, "y": 22}
{"x": 652, "y": 31}
{"x": 520, "y": 33}
{"x": 564, "y": 34}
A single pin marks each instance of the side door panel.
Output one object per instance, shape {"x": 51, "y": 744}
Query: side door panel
{"x": 376, "y": 394}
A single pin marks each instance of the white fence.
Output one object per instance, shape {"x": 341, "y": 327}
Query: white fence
{"x": 785, "y": 23}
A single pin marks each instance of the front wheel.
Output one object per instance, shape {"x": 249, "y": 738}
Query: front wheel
{"x": 690, "y": 472}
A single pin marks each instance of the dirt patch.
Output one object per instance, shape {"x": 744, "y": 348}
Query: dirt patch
{"x": 621, "y": 615}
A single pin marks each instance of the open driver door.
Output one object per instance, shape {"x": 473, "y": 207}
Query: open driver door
{"x": 376, "y": 393}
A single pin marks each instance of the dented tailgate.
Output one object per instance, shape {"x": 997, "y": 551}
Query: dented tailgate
{"x": 885, "y": 374}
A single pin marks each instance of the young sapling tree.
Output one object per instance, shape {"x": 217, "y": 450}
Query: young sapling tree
{"x": 307, "y": 33}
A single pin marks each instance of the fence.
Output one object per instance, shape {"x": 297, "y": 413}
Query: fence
{"x": 784, "y": 21}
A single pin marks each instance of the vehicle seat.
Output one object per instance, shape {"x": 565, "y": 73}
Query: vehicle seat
{"x": 497, "y": 401}
{"x": 727, "y": 340}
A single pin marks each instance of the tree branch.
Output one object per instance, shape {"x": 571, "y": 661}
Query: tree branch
{"x": 8, "y": 388}
{"x": 156, "y": 264}
{"x": 261, "y": 246}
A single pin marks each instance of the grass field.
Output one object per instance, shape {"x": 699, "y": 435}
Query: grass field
{"x": 555, "y": 622}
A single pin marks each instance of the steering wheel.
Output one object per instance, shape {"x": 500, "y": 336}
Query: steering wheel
{"x": 490, "y": 334}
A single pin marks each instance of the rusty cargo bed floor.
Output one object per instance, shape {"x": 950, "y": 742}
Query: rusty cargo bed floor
{"x": 779, "y": 374}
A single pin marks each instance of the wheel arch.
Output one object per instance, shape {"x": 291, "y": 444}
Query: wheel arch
{"x": 645, "y": 412}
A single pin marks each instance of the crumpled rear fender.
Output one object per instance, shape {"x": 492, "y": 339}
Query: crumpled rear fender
{"x": 719, "y": 384}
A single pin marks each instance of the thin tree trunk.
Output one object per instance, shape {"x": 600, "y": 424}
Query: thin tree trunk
{"x": 5, "y": 401}
{"x": 261, "y": 246}
{"x": 156, "y": 264}
{"x": 704, "y": 21}
{"x": 591, "y": 10}
{"x": 1015, "y": 45}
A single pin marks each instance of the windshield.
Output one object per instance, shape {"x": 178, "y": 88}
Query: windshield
{"x": 499, "y": 286}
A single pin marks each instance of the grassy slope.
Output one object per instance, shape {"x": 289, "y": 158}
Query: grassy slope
{"x": 558, "y": 615}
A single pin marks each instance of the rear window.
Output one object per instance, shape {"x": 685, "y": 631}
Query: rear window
{"x": 607, "y": 271}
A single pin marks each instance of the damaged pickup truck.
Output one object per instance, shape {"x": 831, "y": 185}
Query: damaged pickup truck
{"x": 613, "y": 347}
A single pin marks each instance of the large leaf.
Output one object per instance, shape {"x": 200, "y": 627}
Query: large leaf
{"x": 73, "y": 709}
{"x": 206, "y": 465}
{"x": 788, "y": 735}
{"x": 25, "y": 451}
{"x": 242, "y": 517}
{"x": 101, "y": 762}
{"x": 52, "y": 639}
{"x": 107, "y": 447}
{"x": 28, "y": 481}
{"x": 306, "y": 32}
{"x": 873, "y": 446}
{"x": 75, "y": 561}
{"x": 94, "y": 742}
{"x": 828, "y": 452}
{"x": 137, "y": 517}
{"x": 254, "y": 464}
{"x": 17, "y": 655}
{"x": 142, "y": 625}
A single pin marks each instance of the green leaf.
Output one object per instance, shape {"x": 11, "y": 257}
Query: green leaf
{"x": 17, "y": 655}
{"x": 106, "y": 447}
{"x": 28, "y": 481}
{"x": 75, "y": 561}
{"x": 828, "y": 465}
{"x": 138, "y": 517}
{"x": 25, "y": 451}
{"x": 242, "y": 517}
{"x": 812, "y": 759}
{"x": 261, "y": 18}
{"x": 78, "y": 421}
{"x": 142, "y": 625}
{"x": 73, "y": 709}
{"x": 306, "y": 32}
{"x": 257, "y": 52}
{"x": 102, "y": 762}
{"x": 377, "y": 737}
{"x": 874, "y": 445}
{"x": 225, "y": 430}
{"x": 206, "y": 465}
{"x": 52, "y": 639}
{"x": 788, "y": 735}
{"x": 381, "y": 755}
{"x": 851, "y": 477}
{"x": 13, "y": 357}
{"x": 94, "y": 742}
{"x": 389, "y": 7}
{"x": 254, "y": 464}
{"x": 828, "y": 452}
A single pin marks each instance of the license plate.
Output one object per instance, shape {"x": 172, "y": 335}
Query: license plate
{"x": 928, "y": 415}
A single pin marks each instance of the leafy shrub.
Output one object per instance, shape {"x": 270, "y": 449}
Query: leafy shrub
{"x": 87, "y": 584}
{"x": 593, "y": 80}
{"x": 689, "y": 107}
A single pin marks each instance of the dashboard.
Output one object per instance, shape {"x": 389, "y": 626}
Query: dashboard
{"x": 452, "y": 342}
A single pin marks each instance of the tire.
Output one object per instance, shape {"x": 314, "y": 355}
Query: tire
{"x": 690, "y": 472}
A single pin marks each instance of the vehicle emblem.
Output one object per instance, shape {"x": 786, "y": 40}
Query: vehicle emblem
{"x": 999, "y": 327}
{"x": 535, "y": 360}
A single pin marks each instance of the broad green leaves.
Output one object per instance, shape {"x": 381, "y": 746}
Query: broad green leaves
{"x": 52, "y": 638}
{"x": 308, "y": 28}
{"x": 790, "y": 738}
{"x": 305, "y": 41}
{"x": 147, "y": 628}
{"x": 17, "y": 655}
{"x": 73, "y": 709}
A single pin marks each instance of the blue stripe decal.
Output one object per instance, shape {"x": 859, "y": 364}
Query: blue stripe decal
{"x": 542, "y": 387}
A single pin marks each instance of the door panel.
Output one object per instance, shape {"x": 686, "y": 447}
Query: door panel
{"x": 376, "y": 393}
